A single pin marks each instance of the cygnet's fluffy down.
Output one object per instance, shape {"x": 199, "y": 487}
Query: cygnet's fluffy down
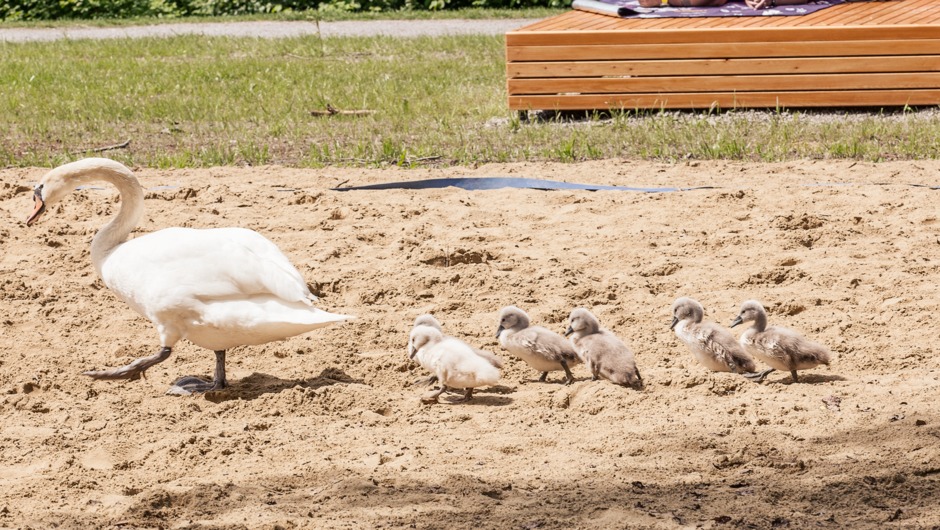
{"x": 712, "y": 345}
{"x": 602, "y": 352}
{"x": 780, "y": 348}
{"x": 429, "y": 320}
{"x": 540, "y": 348}
{"x": 453, "y": 361}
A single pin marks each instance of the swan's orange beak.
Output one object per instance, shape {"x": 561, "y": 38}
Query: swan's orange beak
{"x": 39, "y": 207}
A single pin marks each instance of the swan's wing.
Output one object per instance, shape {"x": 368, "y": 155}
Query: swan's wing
{"x": 721, "y": 345}
{"x": 210, "y": 264}
{"x": 548, "y": 344}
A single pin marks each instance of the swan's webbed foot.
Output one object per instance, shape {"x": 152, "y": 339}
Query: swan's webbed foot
{"x": 189, "y": 385}
{"x": 133, "y": 370}
{"x": 467, "y": 395}
{"x": 430, "y": 399}
{"x": 426, "y": 381}
{"x": 757, "y": 377}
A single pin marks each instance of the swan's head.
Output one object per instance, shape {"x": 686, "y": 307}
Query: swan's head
{"x": 686, "y": 308}
{"x": 582, "y": 322}
{"x": 422, "y": 336}
{"x": 59, "y": 182}
{"x": 511, "y": 317}
{"x": 750, "y": 311}
{"x": 427, "y": 320}
{"x": 51, "y": 189}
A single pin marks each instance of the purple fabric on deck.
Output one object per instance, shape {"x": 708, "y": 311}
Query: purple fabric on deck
{"x": 734, "y": 8}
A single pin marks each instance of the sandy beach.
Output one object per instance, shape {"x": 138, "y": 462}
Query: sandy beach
{"x": 326, "y": 430}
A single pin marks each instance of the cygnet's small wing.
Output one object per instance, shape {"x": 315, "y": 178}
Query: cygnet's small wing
{"x": 798, "y": 351}
{"x": 547, "y": 344}
{"x": 721, "y": 345}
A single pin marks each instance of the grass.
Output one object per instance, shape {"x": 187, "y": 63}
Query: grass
{"x": 332, "y": 15}
{"x": 197, "y": 101}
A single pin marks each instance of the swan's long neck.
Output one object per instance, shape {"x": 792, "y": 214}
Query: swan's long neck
{"x": 132, "y": 203}
{"x": 760, "y": 321}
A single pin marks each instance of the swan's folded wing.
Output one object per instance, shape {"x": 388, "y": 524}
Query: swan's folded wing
{"x": 184, "y": 263}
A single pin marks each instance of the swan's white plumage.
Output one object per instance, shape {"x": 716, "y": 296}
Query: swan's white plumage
{"x": 218, "y": 288}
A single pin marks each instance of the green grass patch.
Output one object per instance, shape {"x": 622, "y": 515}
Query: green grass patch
{"x": 326, "y": 15}
{"x": 198, "y": 101}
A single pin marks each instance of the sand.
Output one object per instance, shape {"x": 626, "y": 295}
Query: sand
{"x": 326, "y": 430}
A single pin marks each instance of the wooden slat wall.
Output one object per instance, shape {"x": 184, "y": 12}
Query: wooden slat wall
{"x": 853, "y": 54}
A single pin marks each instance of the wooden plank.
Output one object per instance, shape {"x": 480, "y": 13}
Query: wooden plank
{"x": 713, "y": 50}
{"x": 729, "y": 100}
{"x": 723, "y": 36}
{"x": 729, "y": 83}
{"x": 916, "y": 63}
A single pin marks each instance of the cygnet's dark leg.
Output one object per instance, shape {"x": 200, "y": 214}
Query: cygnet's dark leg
{"x": 135, "y": 369}
{"x": 426, "y": 381}
{"x": 467, "y": 394}
{"x": 793, "y": 375}
{"x": 544, "y": 376}
{"x": 432, "y": 398}
{"x": 757, "y": 377}
{"x": 564, "y": 364}
{"x": 185, "y": 386}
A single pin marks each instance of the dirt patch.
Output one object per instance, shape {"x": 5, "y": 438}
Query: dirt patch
{"x": 326, "y": 430}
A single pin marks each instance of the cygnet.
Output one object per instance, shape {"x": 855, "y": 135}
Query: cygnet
{"x": 540, "y": 348}
{"x": 603, "y": 353}
{"x": 453, "y": 362}
{"x": 780, "y": 348}
{"x": 712, "y": 345}
{"x": 429, "y": 320}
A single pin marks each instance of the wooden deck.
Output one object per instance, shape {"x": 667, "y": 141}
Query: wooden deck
{"x": 882, "y": 54}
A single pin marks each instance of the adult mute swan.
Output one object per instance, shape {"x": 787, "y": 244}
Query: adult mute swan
{"x": 218, "y": 288}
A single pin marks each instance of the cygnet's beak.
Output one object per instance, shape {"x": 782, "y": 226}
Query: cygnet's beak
{"x": 737, "y": 321}
{"x": 38, "y": 208}
{"x": 569, "y": 331}
{"x": 411, "y": 351}
{"x": 499, "y": 330}
{"x": 675, "y": 320}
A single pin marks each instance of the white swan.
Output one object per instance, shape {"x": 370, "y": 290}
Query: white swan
{"x": 218, "y": 288}
{"x": 453, "y": 361}
{"x": 781, "y": 348}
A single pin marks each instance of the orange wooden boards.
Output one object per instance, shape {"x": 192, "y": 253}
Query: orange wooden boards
{"x": 853, "y": 54}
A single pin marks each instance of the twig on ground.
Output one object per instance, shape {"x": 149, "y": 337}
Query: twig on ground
{"x": 121, "y": 145}
{"x": 332, "y": 111}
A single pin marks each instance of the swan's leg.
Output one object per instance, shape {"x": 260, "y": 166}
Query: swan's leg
{"x": 757, "y": 377}
{"x": 793, "y": 375}
{"x": 564, "y": 364}
{"x": 432, "y": 397}
{"x": 188, "y": 385}
{"x": 426, "y": 381}
{"x": 134, "y": 370}
{"x": 467, "y": 394}
{"x": 544, "y": 376}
